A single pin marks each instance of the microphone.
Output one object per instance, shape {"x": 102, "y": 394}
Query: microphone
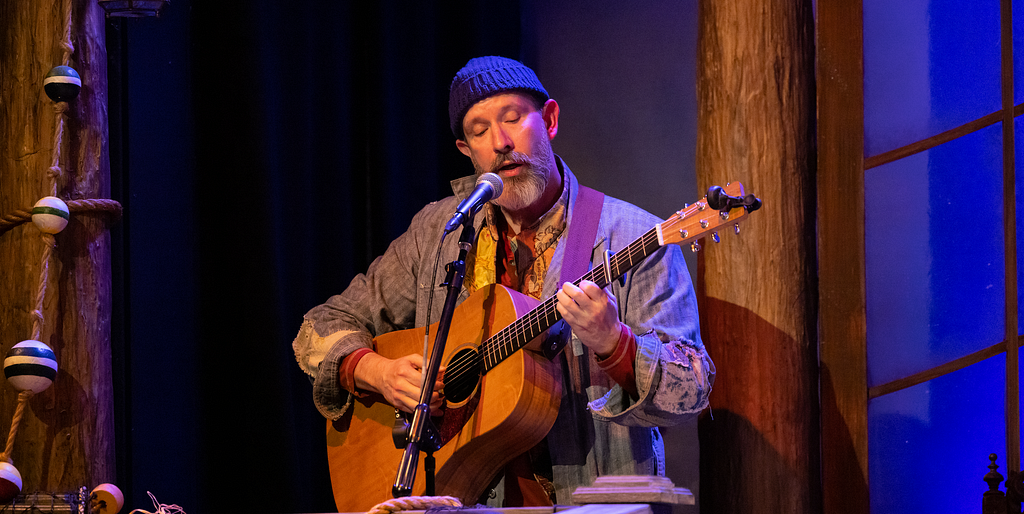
{"x": 488, "y": 187}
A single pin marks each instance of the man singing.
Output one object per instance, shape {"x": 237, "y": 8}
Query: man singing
{"x": 635, "y": 360}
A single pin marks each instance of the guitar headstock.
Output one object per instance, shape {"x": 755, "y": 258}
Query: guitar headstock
{"x": 696, "y": 220}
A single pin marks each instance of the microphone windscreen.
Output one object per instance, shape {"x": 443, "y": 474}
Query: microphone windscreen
{"x": 495, "y": 181}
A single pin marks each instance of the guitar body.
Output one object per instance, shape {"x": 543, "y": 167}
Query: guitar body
{"x": 511, "y": 409}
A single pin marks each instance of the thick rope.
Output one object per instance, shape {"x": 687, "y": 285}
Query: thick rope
{"x": 60, "y": 108}
{"x": 44, "y": 273}
{"x": 414, "y": 503}
{"x": 19, "y": 411}
{"x": 55, "y": 172}
{"x": 86, "y": 206}
{"x": 66, "y": 43}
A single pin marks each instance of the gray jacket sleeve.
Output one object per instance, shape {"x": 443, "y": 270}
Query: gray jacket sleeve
{"x": 379, "y": 301}
{"x": 674, "y": 374}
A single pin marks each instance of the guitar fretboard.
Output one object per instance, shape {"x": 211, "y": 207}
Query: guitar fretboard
{"x": 525, "y": 329}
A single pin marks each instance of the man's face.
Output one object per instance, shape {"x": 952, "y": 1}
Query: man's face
{"x": 506, "y": 134}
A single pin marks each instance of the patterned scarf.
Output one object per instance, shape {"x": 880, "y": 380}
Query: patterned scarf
{"x": 517, "y": 261}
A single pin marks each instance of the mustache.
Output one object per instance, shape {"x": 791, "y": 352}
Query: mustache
{"x": 514, "y": 157}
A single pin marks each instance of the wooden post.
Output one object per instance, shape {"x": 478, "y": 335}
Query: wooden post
{"x": 755, "y": 88}
{"x": 843, "y": 314}
{"x": 66, "y": 438}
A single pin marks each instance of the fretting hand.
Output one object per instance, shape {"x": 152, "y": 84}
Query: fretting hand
{"x": 593, "y": 315}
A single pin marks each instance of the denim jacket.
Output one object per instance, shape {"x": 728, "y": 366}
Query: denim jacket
{"x": 599, "y": 430}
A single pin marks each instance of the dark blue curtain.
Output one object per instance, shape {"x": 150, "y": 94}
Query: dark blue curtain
{"x": 265, "y": 152}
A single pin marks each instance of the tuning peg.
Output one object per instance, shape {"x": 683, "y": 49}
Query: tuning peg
{"x": 694, "y": 247}
{"x": 718, "y": 199}
{"x": 736, "y": 228}
{"x": 715, "y": 238}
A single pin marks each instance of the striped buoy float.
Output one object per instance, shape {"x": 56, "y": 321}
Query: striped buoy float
{"x": 30, "y": 366}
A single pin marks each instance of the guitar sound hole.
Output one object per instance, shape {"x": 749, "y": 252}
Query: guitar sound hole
{"x": 461, "y": 375}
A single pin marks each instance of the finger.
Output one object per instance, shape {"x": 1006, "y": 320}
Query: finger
{"x": 404, "y": 404}
{"x": 567, "y": 295}
{"x": 566, "y": 307}
{"x": 570, "y": 316}
{"x": 571, "y": 290}
{"x": 437, "y": 406}
{"x": 586, "y": 296}
{"x": 416, "y": 360}
{"x": 591, "y": 290}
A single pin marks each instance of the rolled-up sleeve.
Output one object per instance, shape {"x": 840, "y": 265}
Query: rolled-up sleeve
{"x": 379, "y": 301}
{"x": 674, "y": 373}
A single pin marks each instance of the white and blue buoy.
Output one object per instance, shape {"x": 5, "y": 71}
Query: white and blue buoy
{"x": 62, "y": 84}
{"x": 30, "y": 366}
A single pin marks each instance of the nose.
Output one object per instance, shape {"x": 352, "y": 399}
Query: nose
{"x": 502, "y": 142}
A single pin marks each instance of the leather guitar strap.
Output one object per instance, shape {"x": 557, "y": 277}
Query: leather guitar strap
{"x": 579, "y": 243}
{"x": 579, "y": 247}
{"x": 522, "y": 487}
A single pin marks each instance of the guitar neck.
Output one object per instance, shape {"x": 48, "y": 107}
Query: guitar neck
{"x": 685, "y": 226}
{"x": 532, "y": 324}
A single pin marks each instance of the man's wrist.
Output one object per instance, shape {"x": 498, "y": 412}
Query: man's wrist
{"x": 354, "y": 372}
{"x": 612, "y": 343}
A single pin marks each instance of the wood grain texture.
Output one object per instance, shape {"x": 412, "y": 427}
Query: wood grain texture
{"x": 843, "y": 323}
{"x": 66, "y": 439}
{"x": 1010, "y": 240}
{"x": 632, "y": 489}
{"x": 755, "y": 85}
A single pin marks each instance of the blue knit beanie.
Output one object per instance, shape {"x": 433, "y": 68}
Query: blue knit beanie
{"x": 484, "y": 76}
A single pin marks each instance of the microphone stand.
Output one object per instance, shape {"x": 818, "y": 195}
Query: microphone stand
{"x": 421, "y": 433}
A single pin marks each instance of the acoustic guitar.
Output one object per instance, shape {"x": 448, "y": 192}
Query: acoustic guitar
{"x": 500, "y": 401}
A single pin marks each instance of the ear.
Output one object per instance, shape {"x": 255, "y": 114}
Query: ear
{"x": 463, "y": 147}
{"x": 550, "y": 114}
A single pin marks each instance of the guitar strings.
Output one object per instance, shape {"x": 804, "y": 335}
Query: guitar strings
{"x": 516, "y": 335}
{"x": 511, "y": 338}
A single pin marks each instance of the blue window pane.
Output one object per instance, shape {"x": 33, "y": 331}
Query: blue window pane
{"x": 1018, "y": 128}
{"x": 929, "y": 66}
{"x": 929, "y": 444}
{"x": 934, "y": 256}
{"x": 1019, "y": 194}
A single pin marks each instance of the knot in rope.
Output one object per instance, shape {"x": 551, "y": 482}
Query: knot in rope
{"x": 60, "y": 107}
{"x": 54, "y": 172}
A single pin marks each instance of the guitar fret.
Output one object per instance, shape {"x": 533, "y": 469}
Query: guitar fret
{"x": 516, "y": 335}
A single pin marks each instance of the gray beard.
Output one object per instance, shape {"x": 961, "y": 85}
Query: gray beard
{"x": 523, "y": 190}
{"x": 526, "y": 188}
